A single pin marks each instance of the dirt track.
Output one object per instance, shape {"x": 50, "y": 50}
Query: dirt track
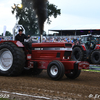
{"x": 79, "y": 89}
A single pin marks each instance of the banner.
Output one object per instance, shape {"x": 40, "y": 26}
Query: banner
{"x": 4, "y": 31}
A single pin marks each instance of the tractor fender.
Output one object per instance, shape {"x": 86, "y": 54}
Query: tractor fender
{"x": 17, "y": 43}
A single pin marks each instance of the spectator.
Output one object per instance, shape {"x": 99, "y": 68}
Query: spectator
{"x": 97, "y": 41}
{"x": 28, "y": 36}
{"x": 44, "y": 39}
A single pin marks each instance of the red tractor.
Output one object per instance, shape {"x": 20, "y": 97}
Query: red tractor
{"x": 55, "y": 57}
{"x": 87, "y": 50}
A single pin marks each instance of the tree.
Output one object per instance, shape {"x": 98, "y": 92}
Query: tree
{"x": 26, "y": 16}
{"x": 7, "y": 33}
{"x": 52, "y": 11}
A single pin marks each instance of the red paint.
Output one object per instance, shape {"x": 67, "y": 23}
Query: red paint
{"x": 83, "y": 65}
{"x": 30, "y": 64}
{"x": 29, "y": 56}
{"x": 83, "y": 47}
{"x": 54, "y": 44}
{"x": 17, "y": 43}
{"x": 47, "y": 54}
{"x": 97, "y": 47}
{"x": 42, "y": 58}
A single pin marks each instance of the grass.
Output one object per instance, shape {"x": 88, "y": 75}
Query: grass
{"x": 4, "y": 99}
{"x": 90, "y": 70}
{"x": 95, "y": 66}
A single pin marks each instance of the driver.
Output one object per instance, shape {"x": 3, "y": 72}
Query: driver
{"x": 88, "y": 43}
{"x": 20, "y": 37}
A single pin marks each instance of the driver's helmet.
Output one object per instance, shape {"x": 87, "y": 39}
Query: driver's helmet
{"x": 20, "y": 29}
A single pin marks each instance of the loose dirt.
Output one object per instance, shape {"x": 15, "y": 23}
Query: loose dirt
{"x": 85, "y": 87}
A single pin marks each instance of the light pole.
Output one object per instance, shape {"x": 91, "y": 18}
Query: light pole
{"x": 15, "y": 6}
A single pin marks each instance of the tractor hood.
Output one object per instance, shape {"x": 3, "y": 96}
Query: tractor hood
{"x": 52, "y": 44}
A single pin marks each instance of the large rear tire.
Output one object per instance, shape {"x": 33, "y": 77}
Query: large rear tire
{"x": 55, "y": 70}
{"x": 77, "y": 54}
{"x": 95, "y": 57}
{"x": 12, "y": 59}
{"x": 73, "y": 74}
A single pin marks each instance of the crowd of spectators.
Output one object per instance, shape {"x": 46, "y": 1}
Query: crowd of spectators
{"x": 50, "y": 39}
{"x": 60, "y": 39}
{"x": 6, "y": 38}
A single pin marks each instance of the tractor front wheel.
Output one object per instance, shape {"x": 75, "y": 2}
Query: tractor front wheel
{"x": 73, "y": 74}
{"x": 55, "y": 70}
{"x": 95, "y": 57}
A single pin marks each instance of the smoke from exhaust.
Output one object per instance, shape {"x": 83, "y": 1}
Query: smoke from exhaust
{"x": 41, "y": 11}
{"x": 40, "y": 8}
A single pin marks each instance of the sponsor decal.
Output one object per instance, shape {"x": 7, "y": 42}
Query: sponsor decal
{"x": 42, "y": 64}
{"x": 83, "y": 63}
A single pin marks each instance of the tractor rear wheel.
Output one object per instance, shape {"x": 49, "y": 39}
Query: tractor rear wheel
{"x": 95, "y": 57}
{"x": 73, "y": 74}
{"x": 12, "y": 59}
{"x": 55, "y": 70}
{"x": 77, "y": 54}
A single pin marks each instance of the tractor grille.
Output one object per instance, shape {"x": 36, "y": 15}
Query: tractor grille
{"x": 66, "y": 54}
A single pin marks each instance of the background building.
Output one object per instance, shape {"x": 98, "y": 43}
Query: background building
{"x": 75, "y": 32}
